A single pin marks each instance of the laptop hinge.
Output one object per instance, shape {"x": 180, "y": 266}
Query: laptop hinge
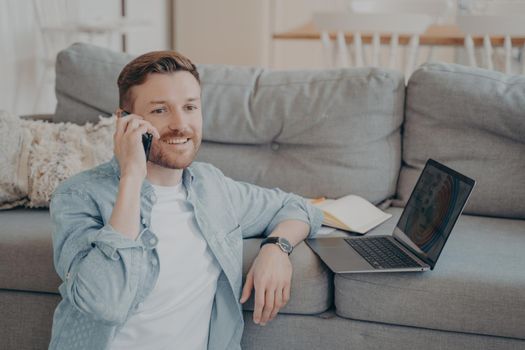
{"x": 398, "y": 236}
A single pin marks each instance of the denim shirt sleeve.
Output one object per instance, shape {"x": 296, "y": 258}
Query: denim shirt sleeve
{"x": 98, "y": 265}
{"x": 260, "y": 210}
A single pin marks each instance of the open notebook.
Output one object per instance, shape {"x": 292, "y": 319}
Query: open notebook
{"x": 351, "y": 213}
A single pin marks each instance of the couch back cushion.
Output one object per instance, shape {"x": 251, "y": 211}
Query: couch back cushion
{"x": 472, "y": 120}
{"x": 86, "y": 83}
{"x": 312, "y": 132}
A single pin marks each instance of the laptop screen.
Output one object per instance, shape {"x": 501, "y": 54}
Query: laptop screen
{"x": 434, "y": 206}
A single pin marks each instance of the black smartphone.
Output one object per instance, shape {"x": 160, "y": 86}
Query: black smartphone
{"x": 147, "y": 138}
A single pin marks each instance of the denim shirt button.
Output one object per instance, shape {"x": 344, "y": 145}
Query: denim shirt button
{"x": 152, "y": 241}
{"x": 144, "y": 221}
{"x": 140, "y": 305}
{"x": 154, "y": 262}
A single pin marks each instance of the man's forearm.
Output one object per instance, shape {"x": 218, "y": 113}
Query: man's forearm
{"x": 125, "y": 217}
{"x": 294, "y": 231}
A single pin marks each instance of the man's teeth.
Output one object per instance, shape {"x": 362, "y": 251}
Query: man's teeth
{"x": 176, "y": 141}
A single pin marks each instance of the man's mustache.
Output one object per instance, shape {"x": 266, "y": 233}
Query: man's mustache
{"x": 177, "y": 134}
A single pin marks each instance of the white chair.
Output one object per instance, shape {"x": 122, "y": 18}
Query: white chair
{"x": 503, "y": 19}
{"x": 375, "y": 24}
{"x": 439, "y": 10}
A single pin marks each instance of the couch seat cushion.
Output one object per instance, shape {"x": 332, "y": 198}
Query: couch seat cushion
{"x": 476, "y": 287}
{"x": 26, "y": 251}
{"x": 312, "y": 282}
{"x": 26, "y": 262}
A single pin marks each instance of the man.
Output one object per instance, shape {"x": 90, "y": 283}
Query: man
{"x": 150, "y": 250}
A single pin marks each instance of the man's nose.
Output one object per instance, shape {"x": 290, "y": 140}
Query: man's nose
{"x": 176, "y": 120}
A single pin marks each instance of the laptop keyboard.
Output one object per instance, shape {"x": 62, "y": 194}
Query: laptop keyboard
{"x": 381, "y": 253}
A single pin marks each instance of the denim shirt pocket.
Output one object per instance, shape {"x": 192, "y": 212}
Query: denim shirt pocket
{"x": 231, "y": 235}
{"x": 232, "y": 242}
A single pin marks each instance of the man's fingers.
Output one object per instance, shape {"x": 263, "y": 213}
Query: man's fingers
{"x": 248, "y": 286}
{"x": 258, "y": 306}
{"x": 138, "y": 123}
{"x": 121, "y": 125}
{"x": 141, "y": 130}
{"x": 132, "y": 124}
{"x": 278, "y": 303}
{"x": 153, "y": 130}
{"x": 268, "y": 306}
{"x": 286, "y": 294}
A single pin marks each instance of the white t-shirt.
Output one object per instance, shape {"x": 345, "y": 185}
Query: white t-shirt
{"x": 176, "y": 315}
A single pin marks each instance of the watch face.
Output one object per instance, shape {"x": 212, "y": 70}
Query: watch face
{"x": 285, "y": 244}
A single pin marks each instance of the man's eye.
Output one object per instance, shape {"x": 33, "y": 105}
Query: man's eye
{"x": 158, "y": 110}
{"x": 191, "y": 107}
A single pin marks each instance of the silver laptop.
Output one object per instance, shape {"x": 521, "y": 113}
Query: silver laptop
{"x": 431, "y": 212}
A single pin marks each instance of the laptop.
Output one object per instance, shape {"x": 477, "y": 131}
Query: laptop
{"x": 436, "y": 202}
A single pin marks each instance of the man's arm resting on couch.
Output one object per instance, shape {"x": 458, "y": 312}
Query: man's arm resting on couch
{"x": 271, "y": 273}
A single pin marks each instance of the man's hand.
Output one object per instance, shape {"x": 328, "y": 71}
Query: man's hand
{"x": 128, "y": 147}
{"x": 271, "y": 275}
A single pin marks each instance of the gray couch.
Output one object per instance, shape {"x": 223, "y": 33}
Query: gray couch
{"x": 331, "y": 133}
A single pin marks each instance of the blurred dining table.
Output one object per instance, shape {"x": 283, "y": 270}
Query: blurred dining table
{"x": 435, "y": 35}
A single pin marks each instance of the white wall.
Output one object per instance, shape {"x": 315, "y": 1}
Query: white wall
{"x": 226, "y": 31}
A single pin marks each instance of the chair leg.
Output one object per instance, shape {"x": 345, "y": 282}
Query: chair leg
{"x": 412, "y": 57}
{"x": 469, "y": 46}
{"x": 376, "y": 49}
{"x": 488, "y": 52}
{"x": 327, "y": 49}
{"x": 523, "y": 59}
{"x": 508, "y": 55}
{"x": 394, "y": 43}
{"x": 358, "y": 45}
{"x": 342, "y": 49}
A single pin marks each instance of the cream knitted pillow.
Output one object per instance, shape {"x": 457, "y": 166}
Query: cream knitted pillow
{"x": 37, "y": 155}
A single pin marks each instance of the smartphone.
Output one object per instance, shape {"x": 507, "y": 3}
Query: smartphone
{"x": 147, "y": 138}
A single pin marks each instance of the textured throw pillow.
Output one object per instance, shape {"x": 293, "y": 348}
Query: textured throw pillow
{"x": 37, "y": 155}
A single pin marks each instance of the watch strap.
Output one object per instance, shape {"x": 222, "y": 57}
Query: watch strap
{"x": 274, "y": 240}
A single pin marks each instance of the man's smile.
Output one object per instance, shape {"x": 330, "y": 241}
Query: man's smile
{"x": 176, "y": 141}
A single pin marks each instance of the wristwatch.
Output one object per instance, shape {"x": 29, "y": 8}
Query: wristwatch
{"x": 283, "y": 243}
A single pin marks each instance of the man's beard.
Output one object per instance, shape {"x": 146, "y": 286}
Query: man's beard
{"x": 173, "y": 160}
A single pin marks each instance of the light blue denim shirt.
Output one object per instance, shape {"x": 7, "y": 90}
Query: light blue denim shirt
{"x": 107, "y": 275}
